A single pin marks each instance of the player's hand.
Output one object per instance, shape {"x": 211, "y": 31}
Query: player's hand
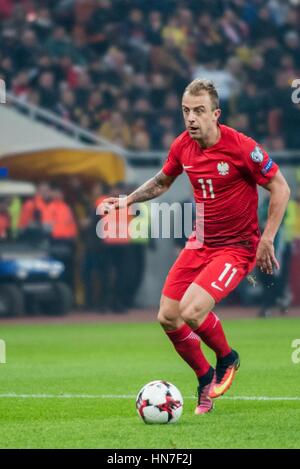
{"x": 111, "y": 203}
{"x": 265, "y": 256}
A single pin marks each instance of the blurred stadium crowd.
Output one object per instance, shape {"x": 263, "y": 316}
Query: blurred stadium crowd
{"x": 119, "y": 67}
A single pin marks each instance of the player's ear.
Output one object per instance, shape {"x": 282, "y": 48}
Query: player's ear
{"x": 217, "y": 114}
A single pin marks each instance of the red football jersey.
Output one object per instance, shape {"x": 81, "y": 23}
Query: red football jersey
{"x": 224, "y": 178}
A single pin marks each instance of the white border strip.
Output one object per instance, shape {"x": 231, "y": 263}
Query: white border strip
{"x": 131, "y": 396}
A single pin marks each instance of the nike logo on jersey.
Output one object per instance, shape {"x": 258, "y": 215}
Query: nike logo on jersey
{"x": 186, "y": 167}
{"x": 213, "y": 284}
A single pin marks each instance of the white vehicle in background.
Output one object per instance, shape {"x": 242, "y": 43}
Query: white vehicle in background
{"x": 30, "y": 278}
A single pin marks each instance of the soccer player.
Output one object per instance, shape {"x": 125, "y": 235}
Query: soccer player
{"x": 224, "y": 167}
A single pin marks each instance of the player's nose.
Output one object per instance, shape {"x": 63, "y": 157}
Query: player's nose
{"x": 191, "y": 117}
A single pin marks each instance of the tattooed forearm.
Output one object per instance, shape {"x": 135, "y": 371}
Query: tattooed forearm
{"x": 152, "y": 188}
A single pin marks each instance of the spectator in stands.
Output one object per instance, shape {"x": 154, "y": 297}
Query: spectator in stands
{"x": 233, "y": 29}
{"x": 252, "y": 103}
{"x": 94, "y": 108}
{"x": 59, "y": 44}
{"x": 264, "y": 26}
{"x": 274, "y": 143}
{"x": 35, "y": 212}
{"x": 167, "y": 140}
{"x": 64, "y": 232}
{"x": 155, "y": 25}
{"x": 63, "y": 225}
{"x": 47, "y": 91}
{"x": 6, "y": 70}
{"x": 66, "y": 106}
{"x": 26, "y": 51}
{"x": 258, "y": 73}
{"x": 292, "y": 45}
{"x": 208, "y": 34}
{"x": 116, "y": 130}
{"x": 42, "y": 23}
{"x": 20, "y": 85}
{"x": 83, "y": 87}
{"x": 141, "y": 141}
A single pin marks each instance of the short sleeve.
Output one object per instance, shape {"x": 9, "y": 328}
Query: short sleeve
{"x": 258, "y": 164}
{"x": 172, "y": 165}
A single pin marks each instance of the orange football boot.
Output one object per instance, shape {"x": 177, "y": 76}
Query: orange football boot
{"x": 224, "y": 376}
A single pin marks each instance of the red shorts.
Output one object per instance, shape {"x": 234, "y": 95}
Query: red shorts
{"x": 218, "y": 270}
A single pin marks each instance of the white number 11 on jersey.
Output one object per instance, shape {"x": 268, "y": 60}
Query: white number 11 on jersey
{"x": 210, "y": 187}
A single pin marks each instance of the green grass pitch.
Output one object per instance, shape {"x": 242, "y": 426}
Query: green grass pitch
{"x": 118, "y": 359}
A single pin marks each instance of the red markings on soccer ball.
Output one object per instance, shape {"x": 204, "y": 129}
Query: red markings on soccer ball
{"x": 169, "y": 405}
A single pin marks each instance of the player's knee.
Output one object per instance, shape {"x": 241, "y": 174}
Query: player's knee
{"x": 166, "y": 318}
{"x": 192, "y": 312}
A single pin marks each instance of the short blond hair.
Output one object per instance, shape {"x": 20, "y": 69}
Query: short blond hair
{"x": 197, "y": 86}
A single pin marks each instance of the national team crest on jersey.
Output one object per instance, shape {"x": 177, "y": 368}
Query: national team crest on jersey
{"x": 257, "y": 155}
{"x": 223, "y": 168}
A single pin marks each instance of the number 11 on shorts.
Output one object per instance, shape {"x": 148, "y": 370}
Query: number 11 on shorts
{"x": 225, "y": 271}
{"x": 223, "y": 275}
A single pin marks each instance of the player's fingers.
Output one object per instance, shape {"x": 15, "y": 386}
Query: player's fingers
{"x": 106, "y": 206}
{"x": 260, "y": 259}
{"x": 275, "y": 262}
{"x": 259, "y": 262}
{"x": 269, "y": 265}
{"x": 264, "y": 265}
{"x": 110, "y": 201}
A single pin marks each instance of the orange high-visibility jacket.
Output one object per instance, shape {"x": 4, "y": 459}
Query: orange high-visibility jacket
{"x": 28, "y": 210}
{"x": 62, "y": 220}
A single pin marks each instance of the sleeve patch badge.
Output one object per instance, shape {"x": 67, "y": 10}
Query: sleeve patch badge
{"x": 267, "y": 166}
{"x": 257, "y": 155}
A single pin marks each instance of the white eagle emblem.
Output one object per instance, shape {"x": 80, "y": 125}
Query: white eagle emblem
{"x": 223, "y": 168}
{"x": 257, "y": 155}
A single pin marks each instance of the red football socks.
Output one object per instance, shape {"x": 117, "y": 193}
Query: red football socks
{"x": 212, "y": 334}
{"x": 187, "y": 344}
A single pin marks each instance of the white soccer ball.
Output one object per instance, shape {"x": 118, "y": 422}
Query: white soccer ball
{"x": 159, "y": 402}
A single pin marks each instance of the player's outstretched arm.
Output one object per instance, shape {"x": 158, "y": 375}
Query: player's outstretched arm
{"x": 279, "y": 197}
{"x": 151, "y": 189}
